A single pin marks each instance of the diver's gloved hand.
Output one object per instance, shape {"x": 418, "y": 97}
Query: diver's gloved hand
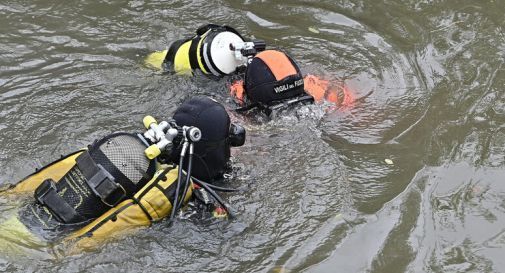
{"x": 204, "y": 205}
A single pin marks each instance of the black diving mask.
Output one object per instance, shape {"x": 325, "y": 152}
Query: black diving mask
{"x": 236, "y": 135}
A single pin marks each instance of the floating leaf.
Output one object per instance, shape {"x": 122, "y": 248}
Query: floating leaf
{"x": 313, "y": 30}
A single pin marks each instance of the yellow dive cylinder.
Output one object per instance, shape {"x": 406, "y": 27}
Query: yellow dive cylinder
{"x": 209, "y": 51}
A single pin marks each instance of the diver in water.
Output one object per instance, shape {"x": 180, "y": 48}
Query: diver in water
{"x": 272, "y": 80}
{"x": 125, "y": 181}
{"x": 260, "y": 78}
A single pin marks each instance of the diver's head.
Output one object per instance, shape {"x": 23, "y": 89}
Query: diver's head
{"x": 212, "y": 152}
{"x": 271, "y": 77}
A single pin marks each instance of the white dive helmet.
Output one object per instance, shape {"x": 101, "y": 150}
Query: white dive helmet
{"x": 219, "y": 58}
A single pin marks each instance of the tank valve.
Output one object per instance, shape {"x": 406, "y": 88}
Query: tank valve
{"x": 155, "y": 132}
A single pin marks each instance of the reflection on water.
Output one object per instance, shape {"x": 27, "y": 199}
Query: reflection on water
{"x": 319, "y": 192}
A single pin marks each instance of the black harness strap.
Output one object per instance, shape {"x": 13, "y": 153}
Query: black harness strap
{"x": 137, "y": 201}
{"x": 47, "y": 195}
{"x": 193, "y": 60}
{"x": 169, "y": 193}
{"x": 155, "y": 184}
{"x": 161, "y": 176}
{"x": 100, "y": 181}
{"x": 86, "y": 165}
{"x": 203, "y": 61}
{"x": 172, "y": 50}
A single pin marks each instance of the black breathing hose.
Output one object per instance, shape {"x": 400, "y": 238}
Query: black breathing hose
{"x": 187, "y": 182}
{"x": 216, "y": 196}
{"x": 177, "y": 189}
{"x": 179, "y": 200}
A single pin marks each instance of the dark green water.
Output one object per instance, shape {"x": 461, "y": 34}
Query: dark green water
{"x": 317, "y": 194}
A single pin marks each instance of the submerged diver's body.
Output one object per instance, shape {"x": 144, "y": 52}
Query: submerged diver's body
{"x": 115, "y": 186}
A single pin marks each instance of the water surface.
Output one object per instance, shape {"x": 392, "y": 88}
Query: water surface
{"x": 316, "y": 192}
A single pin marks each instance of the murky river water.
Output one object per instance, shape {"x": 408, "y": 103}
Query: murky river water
{"x": 317, "y": 194}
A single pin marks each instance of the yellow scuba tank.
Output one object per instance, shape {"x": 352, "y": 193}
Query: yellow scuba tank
{"x": 211, "y": 50}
